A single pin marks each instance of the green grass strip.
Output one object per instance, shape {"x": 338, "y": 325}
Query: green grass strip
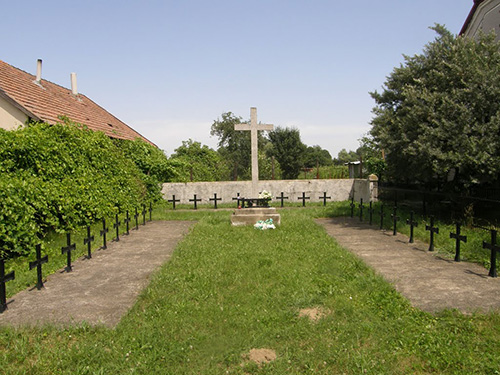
{"x": 227, "y": 290}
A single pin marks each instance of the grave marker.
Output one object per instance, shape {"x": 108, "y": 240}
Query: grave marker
{"x": 303, "y": 197}
{"x": 412, "y": 223}
{"x": 215, "y": 199}
{"x": 136, "y": 216}
{"x": 127, "y": 221}
{"x": 143, "y": 214}
{"x": 116, "y": 225}
{"x": 371, "y": 210}
{"x": 254, "y": 127}
{"x": 282, "y": 198}
{"x": 324, "y": 197}
{"x": 494, "y": 249}
{"x": 195, "y": 202}
{"x": 352, "y": 207}
{"x": 3, "y": 279}
{"x": 103, "y": 232}
{"x": 38, "y": 264}
{"x": 237, "y": 199}
{"x": 458, "y": 238}
{"x": 67, "y": 250}
{"x": 173, "y": 200}
{"x": 432, "y": 229}
{"x": 395, "y": 219}
{"x": 361, "y": 209}
{"x": 88, "y": 241}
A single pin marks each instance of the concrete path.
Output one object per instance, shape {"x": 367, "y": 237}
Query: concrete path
{"x": 102, "y": 289}
{"x": 430, "y": 282}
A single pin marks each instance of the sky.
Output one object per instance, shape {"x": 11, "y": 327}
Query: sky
{"x": 169, "y": 69}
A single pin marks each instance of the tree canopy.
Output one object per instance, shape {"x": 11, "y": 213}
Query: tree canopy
{"x": 288, "y": 150}
{"x": 439, "y": 113}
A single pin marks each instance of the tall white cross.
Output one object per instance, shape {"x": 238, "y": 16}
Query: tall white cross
{"x": 254, "y": 127}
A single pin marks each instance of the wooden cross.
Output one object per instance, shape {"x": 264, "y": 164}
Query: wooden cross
{"x": 303, "y": 197}
{"x": 3, "y": 279}
{"x": 67, "y": 250}
{"x": 324, "y": 197}
{"x": 103, "y": 233}
{"x": 173, "y": 200}
{"x": 215, "y": 199}
{"x": 195, "y": 201}
{"x": 432, "y": 230}
{"x": 494, "y": 249}
{"x": 38, "y": 264}
{"x": 395, "y": 219}
{"x": 88, "y": 241}
{"x": 254, "y": 127}
{"x": 116, "y": 225}
{"x": 282, "y": 198}
{"x": 458, "y": 239}
{"x": 412, "y": 223}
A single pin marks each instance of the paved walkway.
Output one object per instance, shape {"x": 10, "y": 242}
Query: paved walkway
{"x": 430, "y": 282}
{"x": 102, "y": 289}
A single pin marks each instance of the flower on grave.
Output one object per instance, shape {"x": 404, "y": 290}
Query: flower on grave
{"x": 265, "y": 224}
{"x": 265, "y": 195}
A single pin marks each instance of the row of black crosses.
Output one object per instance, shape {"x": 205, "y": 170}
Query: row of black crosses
{"x": 39, "y": 261}
{"x": 281, "y": 198}
{"x": 457, "y": 236}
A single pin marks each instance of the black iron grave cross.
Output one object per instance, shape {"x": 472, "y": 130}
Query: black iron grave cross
{"x": 303, "y": 197}
{"x": 143, "y": 214}
{"x": 67, "y": 250}
{"x": 150, "y": 211}
{"x": 88, "y": 241}
{"x": 195, "y": 202}
{"x": 352, "y": 206}
{"x": 3, "y": 279}
{"x": 38, "y": 264}
{"x": 382, "y": 215}
{"x": 237, "y": 199}
{"x": 494, "y": 249}
{"x": 116, "y": 225}
{"x": 136, "y": 215}
{"x": 215, "y": 199}
{"x": 173, "y": 200}
{"x": 361, "y": 206}
{"x": 395, "y": 219}
{"x": 282, "y": 198}
{"x": 127, "y": 221}
{"x": 412, "y": 223}
{"x": 432, "y": 230}
{"x": 324, "y": 197}
{"x": 458, "y": 239}
{"x": 371, "y": 210}
{"x": 103, "y": 234}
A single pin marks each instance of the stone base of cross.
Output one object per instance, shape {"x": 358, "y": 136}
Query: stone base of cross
{"x": 254, "y": 127}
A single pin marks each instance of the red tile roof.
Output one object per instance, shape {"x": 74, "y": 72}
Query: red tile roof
{"x": 471, "y": 15}
{"x": 47, "y": 101}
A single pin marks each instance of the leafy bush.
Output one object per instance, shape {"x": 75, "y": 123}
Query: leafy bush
{"x": 58, "y": 177}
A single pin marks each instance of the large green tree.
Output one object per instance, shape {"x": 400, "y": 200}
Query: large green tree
{"x": 440, "y": 112}
{"x": 288, "y": 150}
{"x": 315, "y": 155}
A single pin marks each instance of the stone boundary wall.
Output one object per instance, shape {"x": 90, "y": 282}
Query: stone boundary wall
{"x": 338, "y": 190}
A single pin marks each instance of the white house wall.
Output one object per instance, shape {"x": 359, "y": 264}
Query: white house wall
{"x": 10, "y": 117}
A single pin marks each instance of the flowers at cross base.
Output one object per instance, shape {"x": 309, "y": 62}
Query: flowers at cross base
{"x": 264, "y": 224}
{"x": 265, "y": 195}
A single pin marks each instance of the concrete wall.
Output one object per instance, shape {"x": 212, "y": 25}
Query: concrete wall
{"x": 338, "y": 190}
{"x": 10, "y": 117}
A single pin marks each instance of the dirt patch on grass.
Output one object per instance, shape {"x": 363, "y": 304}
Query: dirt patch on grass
{"x": 259, "y": 356}
{"x": 314, "y": 314}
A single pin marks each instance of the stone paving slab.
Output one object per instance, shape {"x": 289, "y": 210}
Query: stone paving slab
{"x": 429, "y": 281}
{"x": 102, "y": 289}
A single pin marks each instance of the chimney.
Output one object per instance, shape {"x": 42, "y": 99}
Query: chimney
{"x": 74, "y": 89}
{"x": 38, "y": 71}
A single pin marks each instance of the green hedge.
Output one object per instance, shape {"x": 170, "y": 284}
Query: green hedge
{"x": 59, "y": 177}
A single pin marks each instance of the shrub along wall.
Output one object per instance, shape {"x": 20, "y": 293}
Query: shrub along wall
{"x": 58, "y": 177}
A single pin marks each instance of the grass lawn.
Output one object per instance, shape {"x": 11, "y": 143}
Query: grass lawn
{"x": 227, "y": 290}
